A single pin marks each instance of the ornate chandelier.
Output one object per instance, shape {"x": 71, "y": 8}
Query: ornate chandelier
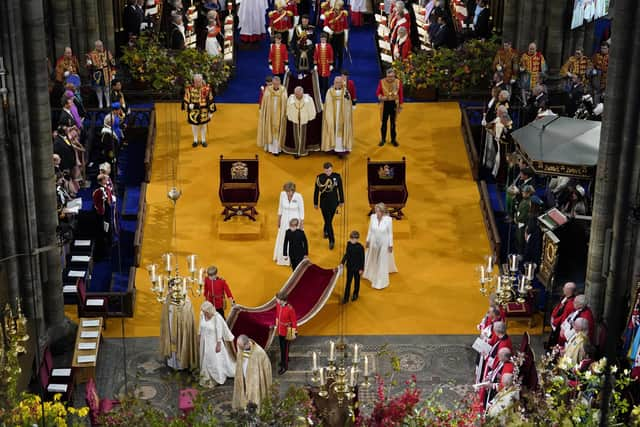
{"x": 172, "y": 285}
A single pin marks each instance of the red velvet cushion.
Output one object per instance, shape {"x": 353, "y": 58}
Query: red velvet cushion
{"x": 516, "y": 309}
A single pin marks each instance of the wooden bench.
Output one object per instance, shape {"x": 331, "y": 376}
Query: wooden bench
{"x": 86, "y": 348}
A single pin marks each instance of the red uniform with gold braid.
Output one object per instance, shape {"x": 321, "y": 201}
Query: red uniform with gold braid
{"x": 336, "y": 24}
{"x": 215, "y": 291}
{"x": 601, "y": 63}
{"x": 280, "y": 22}
{"x": 278, "y": 58}
{"x": 534, "y": 64}
{"x": 66, "y": 64}
{"x": 507, "y": 59}
{"x": 201, "y": 99}
{"x": 578, "y": 66}
{"x": 323, "y": 58}
{"x": 292, "y": 6}
{"x": 285, "y": 318}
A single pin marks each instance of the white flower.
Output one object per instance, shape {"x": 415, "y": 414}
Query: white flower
{"x": 614, "y": 369}
{"x": 588, "y": 375}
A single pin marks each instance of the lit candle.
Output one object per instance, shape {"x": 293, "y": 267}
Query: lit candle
{"x": 191, "y": 259}
{"x": 201, "y": 276}
{"x": 521, "y": 284}
{"x": 489, "y": 263}
{"x": 322, "y": 376}
{"x": 499, "y": 288}
{"x": 530, "y": 267}
{"x": 483, "y": 276}
{"x": 352, "y": 381}
{"x": 160, "y": 283}
{"x": 513, "y": 262}
{"x": 332, "y": 350}
{"x": 152, "y": 272}
{"x": 315, "y": 361}
{"x": 167, "y": 258}
{"x": 355, "y": 353}
{"x": 366, "y": 366}
{"x": 184, "y": 285}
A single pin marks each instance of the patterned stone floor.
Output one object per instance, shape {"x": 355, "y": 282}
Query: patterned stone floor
{"x": 438, "y": 362}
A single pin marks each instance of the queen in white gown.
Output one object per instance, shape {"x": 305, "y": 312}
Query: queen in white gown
{"x": 379, "y": 260}
{"x": 216, "y": 364}
{"x": 291, "y": 206}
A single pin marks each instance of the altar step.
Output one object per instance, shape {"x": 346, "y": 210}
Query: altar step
{"x": 240, "y": 228}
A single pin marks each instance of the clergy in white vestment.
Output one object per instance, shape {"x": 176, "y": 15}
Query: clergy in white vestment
{"x": 291, "y": 206}
{"x": 337, "y": 123}
{"x": 300, "y": 110}
{"x": 252, "y": 20}
{"x": 272, "y": 124}
{"x": 379, "y": 260}
{"x": 216, "y": 362}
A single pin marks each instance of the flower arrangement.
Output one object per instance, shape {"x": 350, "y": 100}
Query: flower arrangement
{"x": 26, "y": 409}
{"x": 30, "y": 411}
{"x": 449, "y": 70}
{"x": 151, "y": 63}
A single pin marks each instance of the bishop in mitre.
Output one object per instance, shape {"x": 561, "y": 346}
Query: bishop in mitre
{"x": 178, "y": 336}
{"x": 300, "y": 111}
{"x": 272, "y": 124}
{"x": 337, "y": 130}
{"x": 252, "y": 382}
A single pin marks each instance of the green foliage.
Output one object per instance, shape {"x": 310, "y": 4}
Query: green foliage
{"x": 164, "y": 70}
{"x": 449, "y": 70}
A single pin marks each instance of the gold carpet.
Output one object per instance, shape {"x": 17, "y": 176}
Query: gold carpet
{"x": 435, "y": 290}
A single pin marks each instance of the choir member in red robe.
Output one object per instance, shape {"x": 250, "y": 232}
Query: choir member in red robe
{"x": 286, "y": 328}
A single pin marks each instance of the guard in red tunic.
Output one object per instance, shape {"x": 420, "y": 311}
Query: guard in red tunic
{"x": 323, "y": 58}
{"x": 281, "y": 22}
{"x": 292, "y": 6}
{"x": 215, "y": 289}
{"x": 198, "y": 101}
{"x": 336, "y": 24}
{"x": 278, "y": 57}
{"x": 286, "y": 328}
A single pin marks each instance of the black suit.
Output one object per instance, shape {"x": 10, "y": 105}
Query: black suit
{"x": 328, "y": 194}
{"x": 440, "y": 35}
{"x": 295, "y": 247}
{"x": 354, "y": 260}
{"x": 66, "y": 119}
{"x": 176, "y": 38}
{"x": 132, "y": 18}
{"x": 66, "y": 153}
{"x": 483, "y": 25}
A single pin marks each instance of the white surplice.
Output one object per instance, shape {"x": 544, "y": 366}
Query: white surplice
{"x": 251, "y": 17}
{"x": 379, "y": 262}
{"x": 288, "y": 209}
{"x": 215, "y": 367}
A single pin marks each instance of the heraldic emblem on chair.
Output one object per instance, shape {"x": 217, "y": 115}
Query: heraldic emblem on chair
{"x": 386, "y": 183}
{"x": 239, "y": 188}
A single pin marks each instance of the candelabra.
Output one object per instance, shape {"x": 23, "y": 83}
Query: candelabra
{"x": 511, "y": 284}
{"x": 172, "y": 285}
{"x": 340, "y": 377}
{"x": 13, "y": 333}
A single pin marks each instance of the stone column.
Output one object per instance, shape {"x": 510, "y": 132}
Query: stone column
{"x": 43, "y": 176}
{"x": 61, "y": 10}
{"x": 510, "y": 21}
{"x": 79, "y": 29}
{"x": 109, "y": 34}
{"x": 91, "y": 22}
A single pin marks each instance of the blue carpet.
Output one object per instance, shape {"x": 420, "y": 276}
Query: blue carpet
{"x": 252, "y": 67}
{"x": 131, "y": 202}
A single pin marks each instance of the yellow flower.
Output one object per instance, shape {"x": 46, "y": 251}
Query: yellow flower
{"x": 83, "y": 412}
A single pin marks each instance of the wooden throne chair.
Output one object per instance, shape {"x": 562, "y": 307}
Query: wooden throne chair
{"x": 239, "y": 187}
{"x": 387, "y": 183}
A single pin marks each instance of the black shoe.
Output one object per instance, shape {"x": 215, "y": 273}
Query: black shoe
{"x": 382, "y": 143}
{"x": 345, "y": 300}
{"x": 195, "y": 144}
{"x": 204, "y": 144}
{"x": 355, "y": 297}
{"x": 276, "y": 154}
{"x": 296, "y": 157}
{"x": 326, "y": 236}
{"x": 394, "y": 143}
{"x": 282, "y": 371}
{"x": 331, "y": 245}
